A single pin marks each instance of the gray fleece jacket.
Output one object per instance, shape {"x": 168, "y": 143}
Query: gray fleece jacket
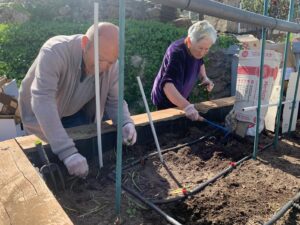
{"x": 52, "y": 89}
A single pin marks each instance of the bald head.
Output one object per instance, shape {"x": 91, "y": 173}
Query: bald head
{"x": 105, "y": 30}
{"x": 108, "y": 34}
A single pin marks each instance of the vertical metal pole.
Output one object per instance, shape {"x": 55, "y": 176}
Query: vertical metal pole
{"x": 97, "y": 88}
{"x": 120, "y": 105}
{"x": 261, "y": 76}
{"x": 239, "y": 24}
{"x": 150, "y": 119}
{"x": 287, "y": 42}
{"x": 294, "y": 101}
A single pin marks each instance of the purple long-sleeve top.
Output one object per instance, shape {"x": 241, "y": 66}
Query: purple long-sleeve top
{"x": 178, "y": 67}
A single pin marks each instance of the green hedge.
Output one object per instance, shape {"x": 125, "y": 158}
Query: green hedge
{"x": 19, "y": 45}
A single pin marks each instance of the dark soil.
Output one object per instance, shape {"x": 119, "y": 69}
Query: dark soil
{"x": 250, "y": 194}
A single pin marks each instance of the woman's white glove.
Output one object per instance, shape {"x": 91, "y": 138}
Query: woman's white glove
{"x": 77, "y": 165}
{"x": 192, "y": 113}
{"x": 207, "y": 83}
{"x": 129, "y": 134}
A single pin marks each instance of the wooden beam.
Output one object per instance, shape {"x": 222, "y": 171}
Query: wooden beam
{"x": 89, "y": 131}
{"x": 25, "y": 198}
{"x": 27, "y": 142}
{"x": 204, "y": 107}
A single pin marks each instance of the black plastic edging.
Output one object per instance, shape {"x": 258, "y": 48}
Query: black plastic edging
{"x": 201, "y": 186}
{"x": 283, "y": 210}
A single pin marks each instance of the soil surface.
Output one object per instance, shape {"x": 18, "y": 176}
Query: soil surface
{"x": 249, "y": 194}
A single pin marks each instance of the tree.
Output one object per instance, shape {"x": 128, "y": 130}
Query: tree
{"x": 277, "y": 8}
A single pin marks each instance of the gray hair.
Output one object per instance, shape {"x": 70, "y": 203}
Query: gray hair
{"x": 200, "y": 30}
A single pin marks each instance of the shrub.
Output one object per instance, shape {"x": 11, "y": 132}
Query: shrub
{"x": 148, "y": 40}
{"x": 19, "y": 44}
{"x": 276, "y": 8}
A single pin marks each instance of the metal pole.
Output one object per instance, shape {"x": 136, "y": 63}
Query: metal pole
{"x": 261, "y": 77}
{"x": 294, "y": 101}
{"x": 150, "y": 119}
{"x": 120, "y": 105}
{"x": 97, "y": 88}
{"x": 239, "y": 24}
{"x": 220, "y": 10}
{"x": 251, "y": 108}
{"x": 287, "y": 42}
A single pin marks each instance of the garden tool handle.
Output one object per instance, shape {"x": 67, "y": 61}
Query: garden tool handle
{"x": 216, "y": 125}
{"x": 42, "y": 153}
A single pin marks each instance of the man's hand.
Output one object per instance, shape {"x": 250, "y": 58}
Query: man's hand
{"x": 192, "y": 113}
{"x": 77, "y": 165}
{"x": 129, "y": 134}
{"x": 207, "y": 83}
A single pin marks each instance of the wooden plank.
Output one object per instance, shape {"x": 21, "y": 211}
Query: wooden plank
{"x": 203, "y": 107}
{"x": 89, "y": 131}
{"x": 25, "y": 198}
{"x": 27, "y": 142}
{"x": 158, "y": 116}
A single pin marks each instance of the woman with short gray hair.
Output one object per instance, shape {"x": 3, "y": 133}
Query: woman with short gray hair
{"x": 182, "y": 66}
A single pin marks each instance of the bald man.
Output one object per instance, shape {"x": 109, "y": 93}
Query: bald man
{"x": 58, "y": 92}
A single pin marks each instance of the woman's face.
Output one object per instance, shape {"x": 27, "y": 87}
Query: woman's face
{"x": 201, "y": 48}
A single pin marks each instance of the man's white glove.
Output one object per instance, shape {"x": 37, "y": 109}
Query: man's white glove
{"x": 77, "y": 165}
{"x": 207, "y": 83}
{"x": 192, "y": 113}
{"x": 129, "y": 134}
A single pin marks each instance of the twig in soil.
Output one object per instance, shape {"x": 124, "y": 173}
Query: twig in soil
{"x": 70, "y": 209}
{"x": 136, "y": 203}
{"x": 98, "y": 174}
{"x": 125, "y": 179}
{"x": 98, "y": 203}
{"x": 69, "y": 179}
{"x": 73, "y": 183}
{"x": 93, "y": 198}
{"x": 127, "y": 161}
{"x": 132, "y": 178}
{"x": 96, "y": 209}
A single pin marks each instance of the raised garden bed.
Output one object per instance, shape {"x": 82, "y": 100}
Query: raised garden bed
{"x": 250, "y": 194}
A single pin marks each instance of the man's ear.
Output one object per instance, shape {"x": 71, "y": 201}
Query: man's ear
{"x": 84, "y": 42}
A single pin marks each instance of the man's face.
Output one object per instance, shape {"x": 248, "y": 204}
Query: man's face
{"x": 108, "y": 55}
{"x": 201, "y": 48}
